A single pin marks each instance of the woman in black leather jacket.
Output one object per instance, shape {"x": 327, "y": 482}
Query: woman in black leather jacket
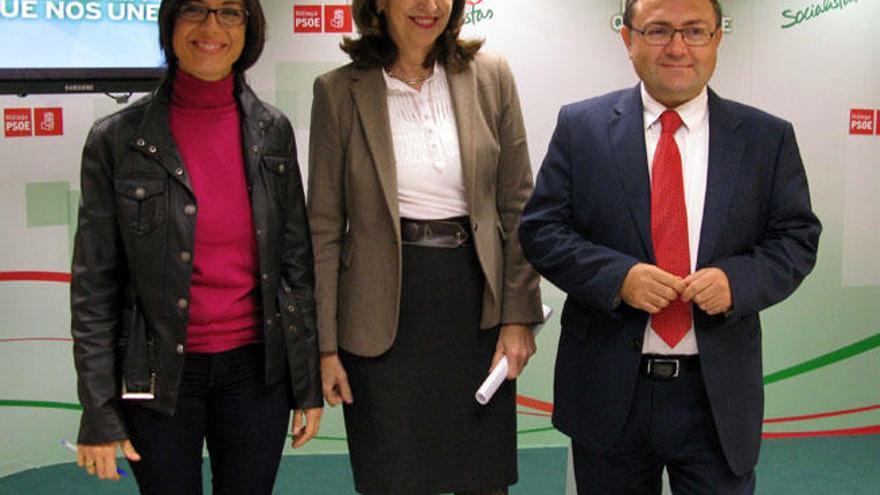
{"x": 191, "y": 295}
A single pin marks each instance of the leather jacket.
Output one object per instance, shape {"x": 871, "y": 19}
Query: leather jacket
{"x": 132, "y": 261}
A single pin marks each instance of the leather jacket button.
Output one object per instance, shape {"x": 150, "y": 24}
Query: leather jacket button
{"x": 189, "y": 210}
{"x": 182, "y": 303}
{"x": 287, "y": 289}
{"x": 140, "y": 193}
{"x": 291, "y": 308}
{"x": 269, "y": 322}
{"x": 291, "y": 328}
{"x": 141, "y": 143}
{"x": 152, "y": 148}
{"x": 265, "y": 276}
{"x": 179, "y": 349}
{"x": 255, "y": 148}
{"x": 185, "y": 256}
{"x": 179, "y": 171}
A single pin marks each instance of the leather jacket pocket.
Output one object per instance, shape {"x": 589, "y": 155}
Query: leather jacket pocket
{"x": 141, "y": 203}
{"x": 276, "y": 180}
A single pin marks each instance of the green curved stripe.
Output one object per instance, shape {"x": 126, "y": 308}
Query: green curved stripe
{"x": 41, "y": 404}
{"x": 832, "y": 357}
{"x": 535, "y": 430}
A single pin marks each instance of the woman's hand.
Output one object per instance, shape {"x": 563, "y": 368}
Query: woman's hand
{"x": 517, "y": 342}
{"x": 334, "y": 380}
{"x": 302, "y": 433}
{"x": 100, "y": 459}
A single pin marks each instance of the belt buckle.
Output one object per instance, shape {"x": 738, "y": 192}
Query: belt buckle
{"x": 676, "y": 366}
{"x": 148, "y": 395}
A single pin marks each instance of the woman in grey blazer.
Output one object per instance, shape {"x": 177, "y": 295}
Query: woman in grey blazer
{"x": 418, "y": 172}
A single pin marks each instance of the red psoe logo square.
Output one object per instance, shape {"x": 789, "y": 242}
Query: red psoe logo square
{"x": 48, "y": 121}
{"x": 17, "y": 122}
{"x": 337, "y": 19}
{"x": 307, "y": 19}
{"x": 861, "y": 121}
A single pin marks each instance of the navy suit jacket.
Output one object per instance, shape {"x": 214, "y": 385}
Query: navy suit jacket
{"x": 588, "y": 222}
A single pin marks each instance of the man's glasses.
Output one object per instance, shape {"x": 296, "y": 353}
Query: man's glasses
{"x": 226, "y": 16}
{"x": 660, "y": 35}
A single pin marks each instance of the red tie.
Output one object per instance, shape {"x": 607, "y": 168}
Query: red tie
{"x": 669, "y": 228}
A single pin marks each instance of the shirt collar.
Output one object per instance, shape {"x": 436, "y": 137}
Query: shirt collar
{"x": 398, "y": 86}
{"x": 692, "y": 112}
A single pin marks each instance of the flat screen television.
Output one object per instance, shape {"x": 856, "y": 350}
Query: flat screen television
{"x": 79, "y": 46}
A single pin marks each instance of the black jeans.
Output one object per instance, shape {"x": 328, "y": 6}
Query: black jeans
{"x": 224, "y": 402}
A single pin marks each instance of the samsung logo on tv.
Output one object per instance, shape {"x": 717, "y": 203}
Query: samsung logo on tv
{"x": 79, "y": 88}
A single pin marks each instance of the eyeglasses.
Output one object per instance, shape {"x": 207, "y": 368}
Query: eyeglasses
{"x": 226, "y": 16}
{"x": 661, "y": 35}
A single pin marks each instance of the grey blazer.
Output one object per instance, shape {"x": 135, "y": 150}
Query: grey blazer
{"x": 353, "y": 202}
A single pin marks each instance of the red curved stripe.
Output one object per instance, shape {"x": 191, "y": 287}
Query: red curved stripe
{"x": 34, "y": 277}
{"x": 533, "y": 403}
{"x": 35, "y": 339}
{"x": 822, "y": 415}
{"x": 846, "y": 432}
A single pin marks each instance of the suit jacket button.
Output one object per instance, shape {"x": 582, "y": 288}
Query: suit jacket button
{"x": 636, "y": 344}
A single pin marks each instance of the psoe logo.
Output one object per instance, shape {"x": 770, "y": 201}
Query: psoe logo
{"x": 474, "y": 14}
{"x": 337, "y": 19}
{"x": 25, "y": 122}
{"x": 17, "y": 122}
{"x": 307, "y": 19}
{"x": 48, "y": 121}
{"x": 862, "y": 121}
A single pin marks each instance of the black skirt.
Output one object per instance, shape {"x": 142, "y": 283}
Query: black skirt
{"x": 414, "y": 426}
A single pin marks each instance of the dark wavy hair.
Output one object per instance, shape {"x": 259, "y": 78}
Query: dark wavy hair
{"x": 375, "y": 48}
{"x": 254, "y": 37}
{"x": 629, "y": 12}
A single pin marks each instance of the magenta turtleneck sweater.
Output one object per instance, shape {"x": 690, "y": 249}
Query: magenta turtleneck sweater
{"x": 205, "y": 123}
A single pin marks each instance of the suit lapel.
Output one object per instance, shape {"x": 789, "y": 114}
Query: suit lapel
{"x": 462, "y": 87}
{"x": 369, "y": 92}
{"x": 726, "y": 147}
{"x": 627, "y": 134}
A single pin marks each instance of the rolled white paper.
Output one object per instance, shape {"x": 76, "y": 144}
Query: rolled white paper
{"x": 499, "y": 372}
{"x": 495, "y": 379}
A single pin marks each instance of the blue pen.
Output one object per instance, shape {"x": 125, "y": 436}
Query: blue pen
{"x": 71, "y": 447}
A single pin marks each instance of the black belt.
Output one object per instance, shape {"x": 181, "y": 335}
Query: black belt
{"x": 447, "y": 233}
{"x": 660, "y": 366}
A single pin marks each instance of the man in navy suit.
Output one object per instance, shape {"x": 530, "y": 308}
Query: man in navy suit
{"x": 670, "y": 217}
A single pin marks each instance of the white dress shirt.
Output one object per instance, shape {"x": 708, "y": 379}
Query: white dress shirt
{"x": 430, "y": 184}
{"x": 692, "y": 139}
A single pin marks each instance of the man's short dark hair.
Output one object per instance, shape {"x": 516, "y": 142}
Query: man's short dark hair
{"x": 629, "y": 12}
{"x": 254, "y": 37}
{"x": 375, "y": 48}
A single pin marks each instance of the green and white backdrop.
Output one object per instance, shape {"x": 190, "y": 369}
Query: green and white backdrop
{"x": 808, "y": 61}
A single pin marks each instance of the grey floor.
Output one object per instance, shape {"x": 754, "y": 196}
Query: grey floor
{"x": 820, "y": 466}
